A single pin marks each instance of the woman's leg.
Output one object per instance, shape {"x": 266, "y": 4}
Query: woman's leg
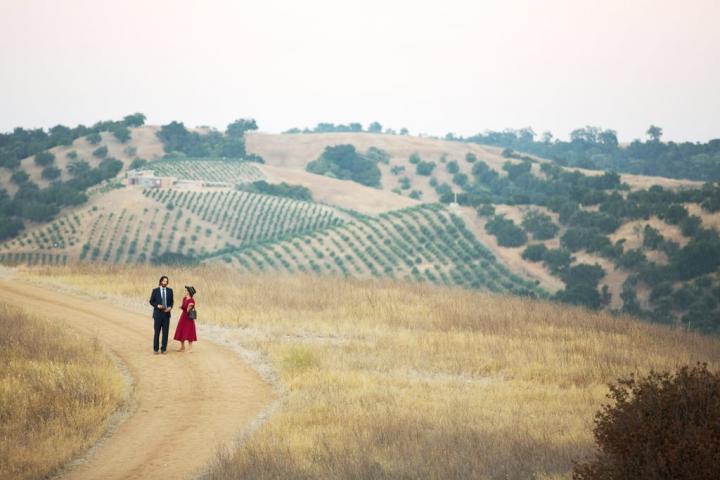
{"x": 182, "y": 346}
{"x": 190, "y": 346}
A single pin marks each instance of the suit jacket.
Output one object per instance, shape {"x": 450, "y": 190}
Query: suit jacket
{"x": 156, "y": 299}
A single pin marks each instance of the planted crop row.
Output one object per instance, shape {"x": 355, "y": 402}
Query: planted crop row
{"x": 32, "y": 258}
{"x": 249, "y": 217}
{"x": 59, "y": 234}
{"x": 424, "y": 243}
{"x": 208, "y": 170}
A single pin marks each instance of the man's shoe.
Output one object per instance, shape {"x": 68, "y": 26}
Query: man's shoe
{"x": 164, "y": 352}
{"x": 155, "y": 352}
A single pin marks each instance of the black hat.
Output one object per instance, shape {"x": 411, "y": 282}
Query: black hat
{"x": 191, "y": 290}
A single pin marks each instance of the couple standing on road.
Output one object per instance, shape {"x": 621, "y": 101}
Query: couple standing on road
{"x": 161, "y": 299}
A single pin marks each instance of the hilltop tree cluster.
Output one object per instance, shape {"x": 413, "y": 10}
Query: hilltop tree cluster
{"x": 35, "y": 204}
{"x": 345, "y": 163}
{"x": 22, "y": 143}
{"x": 352, "y": 127}
{"x": 180, "y": 142}
{"x": 597, "y": 148}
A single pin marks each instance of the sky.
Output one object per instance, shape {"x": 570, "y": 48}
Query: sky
{"x": 433, "y": 67}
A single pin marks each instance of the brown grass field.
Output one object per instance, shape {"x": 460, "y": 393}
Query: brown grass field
{"x": 57, "y": 390}
{"x": 394, "y": 380}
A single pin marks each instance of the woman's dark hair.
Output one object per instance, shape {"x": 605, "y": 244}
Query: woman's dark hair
{"x": 161, "y": 279}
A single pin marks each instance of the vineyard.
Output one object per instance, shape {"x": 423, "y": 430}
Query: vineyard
{"x": 207, "y": 170}
{"x": 58, "y": 235}
{"x": 426, "y": 243}
{"x": 249, "y": 217}
{"x": 136, "y": 227}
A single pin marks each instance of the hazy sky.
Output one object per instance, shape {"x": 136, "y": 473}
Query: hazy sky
{"x": 433, "y": 67}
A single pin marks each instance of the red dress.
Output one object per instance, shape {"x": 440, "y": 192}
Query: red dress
{"x": 185, "y": 329}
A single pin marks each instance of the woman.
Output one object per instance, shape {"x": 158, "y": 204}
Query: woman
{"x": 185, "y": 330}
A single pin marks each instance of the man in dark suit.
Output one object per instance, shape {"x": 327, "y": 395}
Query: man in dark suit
{"x": 161, "y": 300}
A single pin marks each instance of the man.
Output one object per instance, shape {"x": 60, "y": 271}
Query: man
{"x": 161, "y": 300}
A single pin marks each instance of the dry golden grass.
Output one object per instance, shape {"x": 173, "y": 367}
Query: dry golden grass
{"x": 390, "y": 380}
{"x": 56, "y": 391}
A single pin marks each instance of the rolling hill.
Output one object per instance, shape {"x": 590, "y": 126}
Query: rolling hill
{"x": 406, "y": 229}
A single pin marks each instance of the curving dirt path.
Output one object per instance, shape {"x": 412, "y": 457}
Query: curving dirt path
{"x": 184, "y": 406}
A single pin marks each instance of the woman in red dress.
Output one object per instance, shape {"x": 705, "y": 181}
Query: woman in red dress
{"x": 185, "y": 330}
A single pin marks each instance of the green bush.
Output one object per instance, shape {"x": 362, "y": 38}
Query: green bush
{"x": 425, "y": 168}
{"x": 122, "y": 133}
{"x": 137, "y": 163}
{"x": 539, "y": 225}
{"x": 100, "y": 152}
{"x": 94, "y": 138}
{"x": 344, "y": 162}
{"x": 43, "y": 159}
{"x": 460, "y": 179}
{"x": 507, "y": 233}
{"x": 50, "y": 173}
{"x": 660, "y": 426}
{"x": 378, "y": 155}
{"x": 297, "y": 192}
{"x": 652, "y": 238}
{"x": 486, "y": 210}
{"x": 535, "y": 252}
{"x": 557, "y": 259}
{"x": 631, "y": 260}
{"x": 19, "y": 177}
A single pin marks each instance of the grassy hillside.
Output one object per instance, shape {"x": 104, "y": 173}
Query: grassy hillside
{"x": 599, "y": 219}
{"x": 403, "y": 380}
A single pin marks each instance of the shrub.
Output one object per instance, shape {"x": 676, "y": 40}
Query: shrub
{"x": 72, "y": 155}
{"x": 122, "y": 133}
{"x": 378, "y": 155}
{"x": 50, "y": 173}
{"x": 557, "y": 259}
{"x": 344, "y": 162}
{"x": 425, "y": 168}
{"x": 94, "y": 138}
{"x": 663, "y": 425}
{"x": 297, "y": 192}
{"x": 100, "y": 152}
{"x": 540, "y": 225}
{"x": 44, "y": 159}
{"x": 19, "y": 177}
{"x": 471, "y": 157}
{"x": 535, "y": 252}
{"x": 508, "y": 234}
{"x": 415, "y": 159}
{"x": 460, "y": 179}
{"x": 130, "y": 151}
{"x": 486, "y": 210}
{"x": 652, "y": 238}
{"x": 674, "y": 214}
{"x": 137, "y": 163}
{"x": 452, "y": 167}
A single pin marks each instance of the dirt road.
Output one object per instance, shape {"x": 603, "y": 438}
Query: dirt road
{"x": 184, "y": 405}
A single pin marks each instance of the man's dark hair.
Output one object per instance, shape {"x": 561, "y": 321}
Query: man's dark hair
{"x": 161, "y": 279}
